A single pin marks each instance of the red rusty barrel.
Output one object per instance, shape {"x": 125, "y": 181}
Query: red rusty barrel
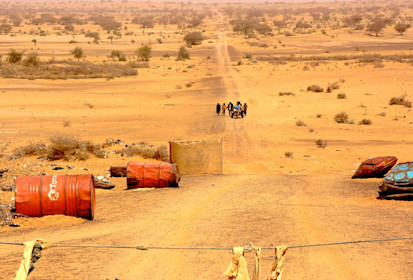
{"x": 152, "y": 175}
{"x": 72, "y": 195}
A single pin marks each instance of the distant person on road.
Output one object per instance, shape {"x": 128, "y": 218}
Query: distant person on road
{"x": 245, "y": 109}
{"x": 218, "y": 108}
{"x": 230, "y": 107}
{"x": 223, "y": 109}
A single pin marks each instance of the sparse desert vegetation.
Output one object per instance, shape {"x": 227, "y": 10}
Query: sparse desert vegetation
{"x": 400, "y": 101}
{"x": 341, "y": 117}
{"x": 315, "y": 88}
{"x": 76, "y": 77}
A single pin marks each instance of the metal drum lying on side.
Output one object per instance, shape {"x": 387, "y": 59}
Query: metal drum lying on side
{"x": 71, "y": 195}
{"x": 402, "y": 174}
{"x": 398, "y": 183}
{"x": 375, "y": 167}
{"x": 152, "y": 175}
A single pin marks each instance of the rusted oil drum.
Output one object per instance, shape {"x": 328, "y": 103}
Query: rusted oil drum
{"x": 402, "y": 174}
{"x": 71, "y": 195}
{"x": 375, "y": 167}
{"x": 152, "y": 175}
{"x": 398, "y": 184}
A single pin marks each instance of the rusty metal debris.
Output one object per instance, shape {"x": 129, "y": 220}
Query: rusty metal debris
{"x": 398, "y": 184}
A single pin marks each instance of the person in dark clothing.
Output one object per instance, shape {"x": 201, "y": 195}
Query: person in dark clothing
{"x": 230, "y": 106}
{"x": 245, "y": 109}
{"x": 218, "y": 108}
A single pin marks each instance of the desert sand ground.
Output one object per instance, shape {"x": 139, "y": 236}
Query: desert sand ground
{"x": 263, "y": 196}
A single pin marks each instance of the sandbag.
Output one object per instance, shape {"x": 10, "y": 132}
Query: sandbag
{"x": 32, "y": 252}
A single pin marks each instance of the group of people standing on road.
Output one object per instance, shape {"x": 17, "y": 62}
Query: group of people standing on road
{"x": 230, "y": 107}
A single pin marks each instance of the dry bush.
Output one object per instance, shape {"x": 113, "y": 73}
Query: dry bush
{"x": 365, "y": 122}
{"x": 341, "y": 118}
{"x": 370, "y": 58}
{"x": 68, "y": 148}
{"x": 146, "y": 151}
{"x": 32, "y": 60}
{"x": 333, "y": 86}
{"x": 183, "y": 54}
{"x": 378, "y": 64}
{"x": 315, "y": 60}
{"x": 67, "y": 70}
{"x": 286, "y": 94}
{"x": 289, "y": 154}
{"x": 138, "y": 64}
{"x": 402, "y": 27}
{"x": 31, "y": 149}
{"x": 90, "y": 105}
{"x": 300, "y": 123}
{"x": 15, "y": 56}
{"x": 321, "y": 143}
{"x": 400, "y": 101}
{"x": 194, "y": 38}
{"x": 61, "y": 148}
{"x": 118, "y": 54}
{"x": 5, "y": 214}
{"x": 341, "y": 96}
{"x": 315, "y": 88}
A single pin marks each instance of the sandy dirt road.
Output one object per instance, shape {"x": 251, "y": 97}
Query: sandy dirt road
{"x": 245, "y": 205}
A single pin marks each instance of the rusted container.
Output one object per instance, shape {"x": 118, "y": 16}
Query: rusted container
{"x": 152, "y": 175}
{"x": 375, "y": 167}
{"x": 398, "y": 184}
{"x": 402, "y": 174}
{"x": 72, "y": 195}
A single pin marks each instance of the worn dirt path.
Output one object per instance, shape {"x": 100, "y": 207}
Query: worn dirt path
{"x": 228, "y": 210}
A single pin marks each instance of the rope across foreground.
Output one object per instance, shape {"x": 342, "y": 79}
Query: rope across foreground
{"x": 247, "y": 248}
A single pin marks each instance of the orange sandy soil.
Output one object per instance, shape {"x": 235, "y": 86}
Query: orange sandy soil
{"x": 263, "y": 197}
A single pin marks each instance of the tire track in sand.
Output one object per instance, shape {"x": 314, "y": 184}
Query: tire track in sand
{"x": 236, "y": 137}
